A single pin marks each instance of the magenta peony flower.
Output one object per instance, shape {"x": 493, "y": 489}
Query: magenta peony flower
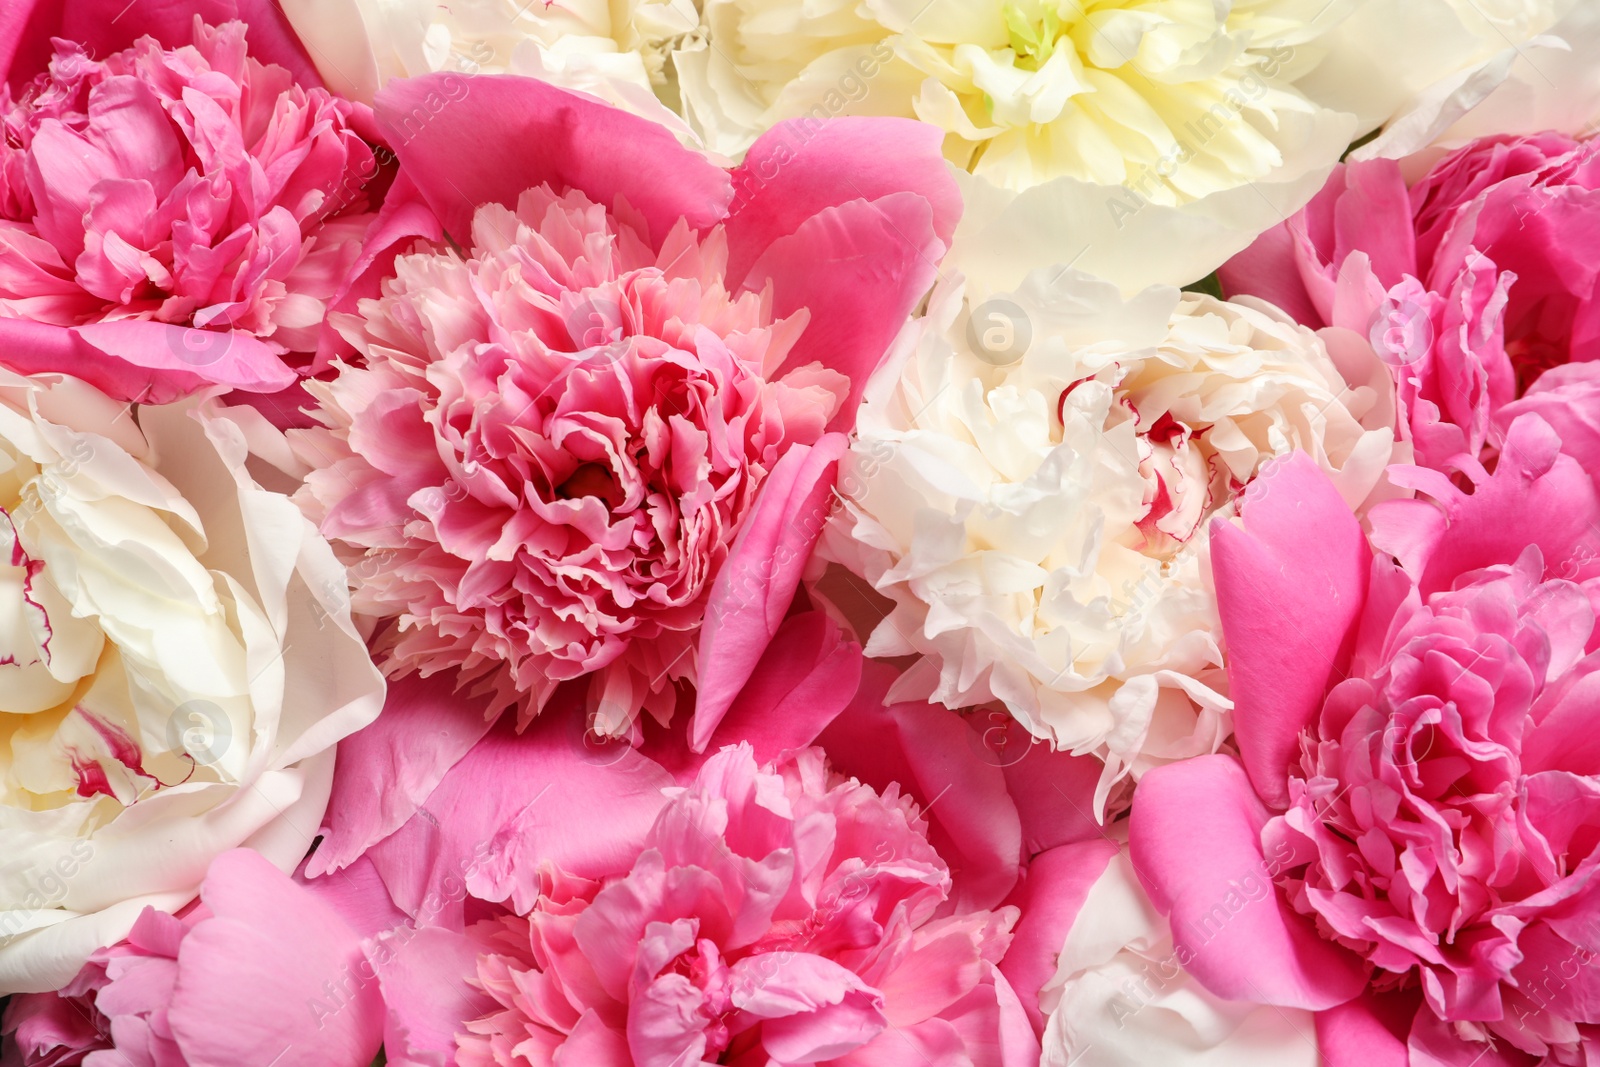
{"x": 261, "y": 967}
{"x": 1419, "y": 767}
{"x": 1471, "y": 284}
{"x": 614, "y": 411}
{"x": 172, "y": 218}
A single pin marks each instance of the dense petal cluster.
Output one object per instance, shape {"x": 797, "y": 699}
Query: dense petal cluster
{"x": 171, "y": 218}
{"x": 550, "y": 445}
{"x": 1029, "y": 487}
{"x": 1430, "y": 816}
{"x": 779, "y": 914}
{"x": 1471, "y": 284}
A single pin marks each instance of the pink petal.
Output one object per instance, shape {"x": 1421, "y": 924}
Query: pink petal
{"x": 757, "y": 583}
{"x": 489, "y": 138}
{"x": 165, "y": 359}
{"x": 387, "y": 770}
{"x": 860, "y": 268}
{"x": 808, "y": 676}
{"x": 108, "y": 26}
{"x": 1290, "y": 585}
{"x": 260, "y": 964}
{"x": 516, "y": 801}
{"x": 1195, "y": 842}
{"x": 1369, "y": 1031}
{"x": 800, "y": 168}
{"x": 939, "y": 761}
{"x": 427, "y": 976}
{"x": 1050, "y": 895}
{"x": 812, "y": 1008}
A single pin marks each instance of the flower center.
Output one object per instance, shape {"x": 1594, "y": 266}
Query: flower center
{"x": 1032, "y": 39}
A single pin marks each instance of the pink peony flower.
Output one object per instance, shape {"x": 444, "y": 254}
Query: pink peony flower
{"x": 614, "y": 413}
{"x": 1471, "y": 284}
{"x": 784, "y": 915}
{"x": 1418, "y": 767}
{"x": 826, "y": 904}
{"x": 261, "y": 967}
{"x": 172, "y": 218}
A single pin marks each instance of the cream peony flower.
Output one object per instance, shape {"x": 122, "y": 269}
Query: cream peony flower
{"x": 617, "y": 51}
{"x": 1031, "y": 486}
{"x": 177, "y": 662}
{"x": 1121, "y": 998}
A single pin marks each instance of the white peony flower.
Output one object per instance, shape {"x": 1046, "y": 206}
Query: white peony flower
{"x": 177, "y": 662}
{"x": 617, "y": 51}
{"x": 1121, "y": 998}
{"x": 1031, "y": 487}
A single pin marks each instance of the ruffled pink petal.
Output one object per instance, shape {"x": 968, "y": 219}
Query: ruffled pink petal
{"x": 1195, "y": 841}
{"x": 757, "y": 583}
{"x": 108, "y": 26}
{"x": 514, "y": 803}
{"x": 1290, "y": 585}
{"x": 487, "y": 139}
{"x": 811, "y": 1008}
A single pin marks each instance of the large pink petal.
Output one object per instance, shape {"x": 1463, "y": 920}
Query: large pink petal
{"x": 860, "y": 268}
{"x": 427, "y": 978}
{"x": 387, "y": 770}
{"x": 358, "y": 895}
{"x": 487, "y": 139}
{"x": 941, "y": 762}
{"x": 1053, "y": 790}
{"x": 799, "y": 169}
{"x": 1195, "y": 842}
{"x": 1050, "y": 895}
{"x": 808, "y": 676}
{"x": 251, "y": 979}
{"x": 1290, "y": 585}
{"x": 169, "y": 357}
{"x": 144, "y": 362}
{"x": 1369, "y": 1031}
{"x": 517, "y": 801}
{"x": 757, "y": 583}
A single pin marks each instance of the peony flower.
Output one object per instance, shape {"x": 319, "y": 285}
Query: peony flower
{"x": 512, "y": 827}
{"x": 780, "y": 911}
{"x": 1471, "y": 284}
{"x": 618, "y": 52}
{"x": 1029, "y": 487}
{"x": 1150, "y": 140}
{"x": 1121, "y": 998}
{"x": 1416, "y": 771}
{"x": 174, "y": 217}
{"x": 177, "y": 660}
{"x": 228, "y": 982}
{"x": 1025, "y": 92}
{"x": 613, "y": 414}
{"x": 782, "y": 914}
